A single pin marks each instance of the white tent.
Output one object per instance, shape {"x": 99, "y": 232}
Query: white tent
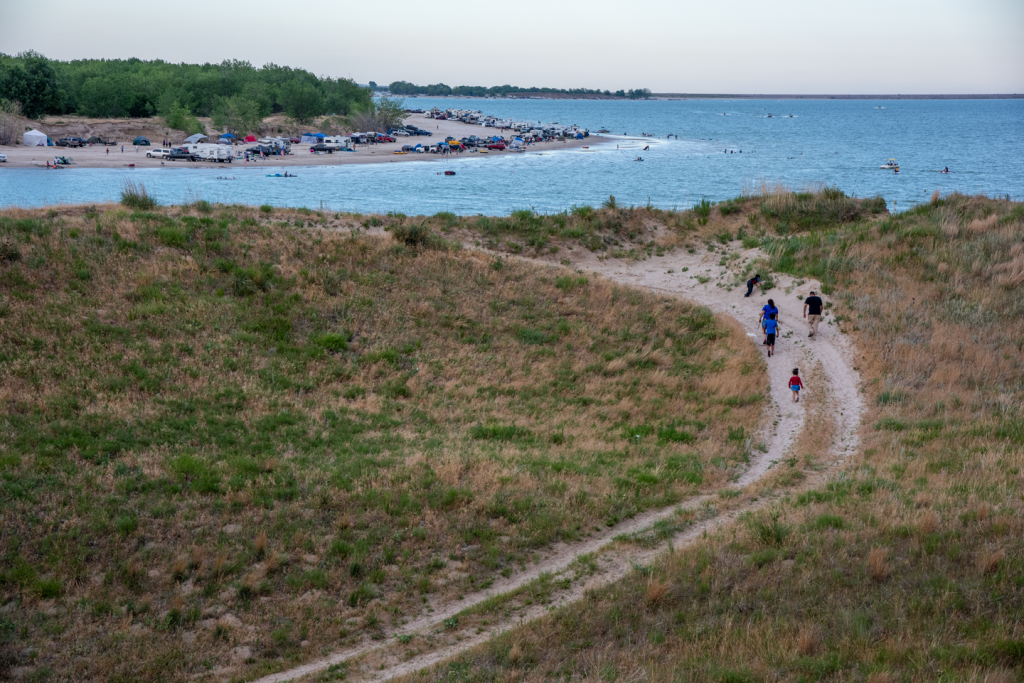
{"x": 34, "y": 138}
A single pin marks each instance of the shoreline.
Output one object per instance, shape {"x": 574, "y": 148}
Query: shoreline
{"x": 21, "y": 156}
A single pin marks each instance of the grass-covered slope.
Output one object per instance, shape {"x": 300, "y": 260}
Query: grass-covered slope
{"x": 909, "y": 563}
{"x": 223, "y": 426}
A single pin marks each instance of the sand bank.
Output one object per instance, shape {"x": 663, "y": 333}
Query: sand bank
{"x": 113, "y": 157}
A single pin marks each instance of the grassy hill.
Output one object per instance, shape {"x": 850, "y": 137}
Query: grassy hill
{"x": 235, "y": 424}
{"x": 908, "y": 563}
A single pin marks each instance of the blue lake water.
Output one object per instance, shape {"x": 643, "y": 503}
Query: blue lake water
{"x": 837, "y": 142}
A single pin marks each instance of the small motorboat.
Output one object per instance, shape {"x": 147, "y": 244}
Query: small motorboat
{"x": 890, "y": 165}
{"x": 449, "y": 172}
{"x": 281, "y": 175}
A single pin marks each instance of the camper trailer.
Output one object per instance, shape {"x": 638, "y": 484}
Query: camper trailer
{"x": 338, "y": 142}
{"x": 209, "y": 152}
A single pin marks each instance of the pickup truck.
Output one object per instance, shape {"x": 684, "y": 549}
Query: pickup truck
{"x": 179, "y": 154}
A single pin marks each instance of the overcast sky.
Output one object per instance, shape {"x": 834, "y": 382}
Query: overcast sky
{"x": 714, "y": 46}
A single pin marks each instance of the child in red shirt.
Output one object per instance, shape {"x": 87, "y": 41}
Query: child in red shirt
{"x": 795, "y": 385}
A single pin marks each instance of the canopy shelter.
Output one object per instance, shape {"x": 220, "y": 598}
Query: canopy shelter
{"x": 227, "y": 135}
{"x": 141, "y": 140}
{"x": 193, "y": 139}
{"x": 250, "y": 138}
{"x": 311, "y": 138}
{"x": 35, "y": 138}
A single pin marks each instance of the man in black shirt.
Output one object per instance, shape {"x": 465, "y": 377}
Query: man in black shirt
{"x": 751, "y": 283}
{"x": 812, "y": 311}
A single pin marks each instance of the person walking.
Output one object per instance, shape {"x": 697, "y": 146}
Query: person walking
{"x": 771, "y": 328}
{"x": 795, "y": 385}
{"x": 751, "y": 283}
{"x": 812, "y": 311}
{"x": 767, "y": 311}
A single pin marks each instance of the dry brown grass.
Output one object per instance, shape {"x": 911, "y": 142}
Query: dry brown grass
{"x": 657, "y": 590}
{"x": 608, "y": 360}
{"x": 989, "y": 559}
{"x": 878, "y": 564}
{"x": 809, "y": 641}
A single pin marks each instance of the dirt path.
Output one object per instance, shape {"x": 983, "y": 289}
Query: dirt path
{"x": 382, "y": 660}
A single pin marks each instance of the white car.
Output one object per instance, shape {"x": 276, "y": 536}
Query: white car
{"x": 3, "y": 157}
{"x": 158, "y": 153}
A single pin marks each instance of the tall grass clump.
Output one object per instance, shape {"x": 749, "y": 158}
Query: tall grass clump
{"x": 134, "y": 196}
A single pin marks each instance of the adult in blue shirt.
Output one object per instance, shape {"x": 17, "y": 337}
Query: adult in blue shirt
{"x": 766, "y": 311}
{"x": 771, "y": 327}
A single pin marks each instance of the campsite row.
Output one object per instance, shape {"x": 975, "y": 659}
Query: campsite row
{"x": 528, "y": 129}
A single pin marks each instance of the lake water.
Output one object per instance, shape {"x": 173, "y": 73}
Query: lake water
{"x": 837, "y": 142}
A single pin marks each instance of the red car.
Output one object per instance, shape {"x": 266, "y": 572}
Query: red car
{"x": 495, "y": 145}
{"x": 385, "y": 138}
{"x": 295, "y": 141}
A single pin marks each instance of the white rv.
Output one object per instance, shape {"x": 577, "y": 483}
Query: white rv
{"x": 338, "y": 142}
{"x": 209, "y": 152}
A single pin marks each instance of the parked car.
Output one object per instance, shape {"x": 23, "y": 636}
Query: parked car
{"x": 399, "y": 132}
{"x": 385, "y": 138}
{"x": 70, "y": 142}
{"x": 179, "y": 154}
{"x": 3, "y": 157}
{"x": 295, "y": 140}
{"x": 158, "y": 153}
{"x": 496, "y": 145}
{"x": 321, "y": 147}
{"x": 408, "y": 148}
{"x": 424, "y": 132}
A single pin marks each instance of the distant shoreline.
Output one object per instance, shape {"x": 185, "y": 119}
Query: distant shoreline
{"x": 707, "y": 96}
{"x": 693, "y": 96}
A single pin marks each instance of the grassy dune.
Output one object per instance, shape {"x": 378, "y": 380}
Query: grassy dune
{"x": 908, "y": 564}
{"x": 226, "y": 425}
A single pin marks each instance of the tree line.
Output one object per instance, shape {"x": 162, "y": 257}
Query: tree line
{"x": 440, "y": 89}
{"x": 233, "y": 91}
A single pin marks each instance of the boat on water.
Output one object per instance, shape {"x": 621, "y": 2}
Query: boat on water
{"x": 890, "y": 164}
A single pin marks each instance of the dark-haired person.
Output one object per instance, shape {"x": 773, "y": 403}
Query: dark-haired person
{"x": 767, "y": 311}
{"x": 771, "y": 328}
{"x": 812, "y": 311}
{"x": 795, "y": 385}
{"x": 751, "y": 283}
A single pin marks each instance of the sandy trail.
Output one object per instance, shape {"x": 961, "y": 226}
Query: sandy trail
{"x": 783, "y": 422}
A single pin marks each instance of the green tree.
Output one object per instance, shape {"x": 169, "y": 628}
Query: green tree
{"x": 302, "y": 101}
{"x": 180, "y": 118}
{"x": 390, "y": 112}
{"x": 237, "y": 114}
{"x": 32, "y": 81}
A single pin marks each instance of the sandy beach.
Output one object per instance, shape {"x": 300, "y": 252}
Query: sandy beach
{"x": 113, "y": 157}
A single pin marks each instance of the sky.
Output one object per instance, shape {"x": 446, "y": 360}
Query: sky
{"x": 714, "y": 46}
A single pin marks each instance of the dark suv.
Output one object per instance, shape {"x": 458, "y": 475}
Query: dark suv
{"x": 71, "y": 142}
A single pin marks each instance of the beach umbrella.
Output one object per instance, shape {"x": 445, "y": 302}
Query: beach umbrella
{"x": 227, "y": 135}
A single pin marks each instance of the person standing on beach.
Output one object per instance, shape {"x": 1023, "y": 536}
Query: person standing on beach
{"x": 751, "y": 283}
{"x": 812, "y": 311}
{"x": 771, "y": 328}
{"x": 795, "y": 385}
